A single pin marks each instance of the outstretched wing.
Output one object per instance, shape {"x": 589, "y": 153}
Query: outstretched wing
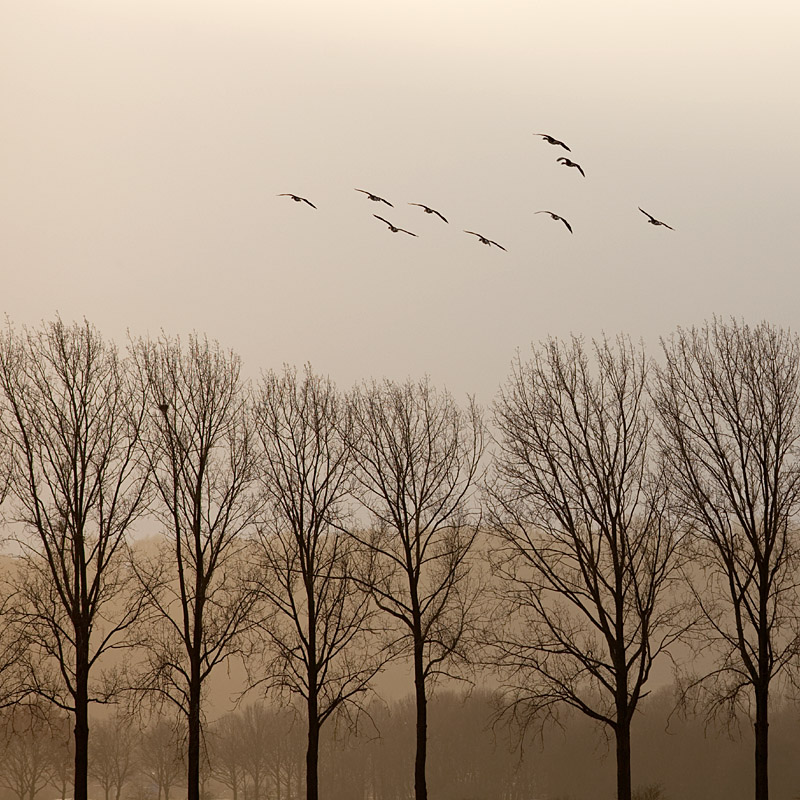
{"x": 552, "y": 140}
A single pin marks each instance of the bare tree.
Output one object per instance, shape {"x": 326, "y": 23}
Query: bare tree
{"x": 160, "y": 756}
{"x": 417, "y": 455}
{"x": 61, "y": 761}
{"x": 728, "y": 396}
{"x": 112, "y": 758}
{"x": 26, "y": 743}
{"x": 203, "y": 464}
{"x": 585, "y": 554}
{"x": 242, "y": 746}
{"x": 256, "y": 751}
{"x": 225, "y": 742}
{"x": 71, "y": 419}
{"x": 319, "y": 618}
{"x": 258, "y": 746}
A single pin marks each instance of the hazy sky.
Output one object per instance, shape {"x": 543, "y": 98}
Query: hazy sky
{"x": 143, "y": 143}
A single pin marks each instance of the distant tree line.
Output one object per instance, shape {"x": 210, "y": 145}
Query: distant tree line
{"x": 256, "y": 753}
{"x": 610, "y": 511}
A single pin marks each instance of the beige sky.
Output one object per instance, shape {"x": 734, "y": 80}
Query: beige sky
{"x": 143, "y": 142}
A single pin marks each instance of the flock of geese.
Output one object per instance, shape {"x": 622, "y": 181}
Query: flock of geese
{"x": 481, "y": 238}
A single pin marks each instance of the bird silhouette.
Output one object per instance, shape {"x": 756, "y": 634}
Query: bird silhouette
{"x": 297, "y": 198}
{"x": 393, "y": 228}
{"x": 567, "y": 163}
{"x": 375, "y": 197}
{"x": 483, "y": 240}
{"x": 551, "y": 140}
{"x": 557, "y": 217}
{"x": 653, "y": 221}
{"x": 428, "y": 210}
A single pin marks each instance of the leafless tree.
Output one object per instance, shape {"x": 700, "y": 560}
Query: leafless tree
{"x": 71, "y": 419}
{"x": 26, "y": 743}
{"x": 203, "y": 464}
{"x": 258, "y": 746}
{"x": 243, "y": 745}
{"x": 270, "y": 744}
{"x": 585, "y": 553}
{"x": 468, "y": 756}
{"x": 728, "y": 396}
{"x": 160, "y": 755}
{"x": 112, "y": 757}
{"x": 61, "y": 763}
{"x": 418, "y": 455}
{"x": 319, "y": 619}
{"x": 225, "y": 742}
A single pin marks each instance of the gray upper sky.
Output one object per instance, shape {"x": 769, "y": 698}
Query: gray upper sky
{"x": 143, "y": 143}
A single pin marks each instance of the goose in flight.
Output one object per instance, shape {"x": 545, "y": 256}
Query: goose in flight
{"x": 567, "y": 163}
{"x": 428, "y": 210}
{"x": 483, "y": 240}
{"x": 557, "y": 217}
{"x": 297, "y": 198}
{"x": 653, "y": 221}
{"x": 393, "y": 228}
{"x": 551, "y": 140}
{"x": 374, "y": 197}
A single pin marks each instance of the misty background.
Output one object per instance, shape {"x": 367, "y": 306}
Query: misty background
{"x": 144, "y": 145}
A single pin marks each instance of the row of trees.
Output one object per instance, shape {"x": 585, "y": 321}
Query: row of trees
{"x": 622, "y": 506}
{"x": 256, "y": 752}
{"x": 37, "y": 751}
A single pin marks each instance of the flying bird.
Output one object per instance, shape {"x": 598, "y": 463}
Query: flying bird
{"x": 551, "y": 140}
{"x": 297, "y": 198}
{"x": 556, "y": 217}
{"x": 428, "y": 210}
{"x": 484, "y": 240}
{"x": 393, "y": 228}
{"x": 653, "y": 221}
{"x": 567, "y": 163}
{"x": 375, "y": 197}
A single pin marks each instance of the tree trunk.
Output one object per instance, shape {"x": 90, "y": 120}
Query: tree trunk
{"x": 623, "y": 732}
{"x": 762, "y": 742}
{"x": 193, "y": 750}
{"x": 420, "y": 784}
{"x": 81, "y": 778}
{"x": 312, "y": 752}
